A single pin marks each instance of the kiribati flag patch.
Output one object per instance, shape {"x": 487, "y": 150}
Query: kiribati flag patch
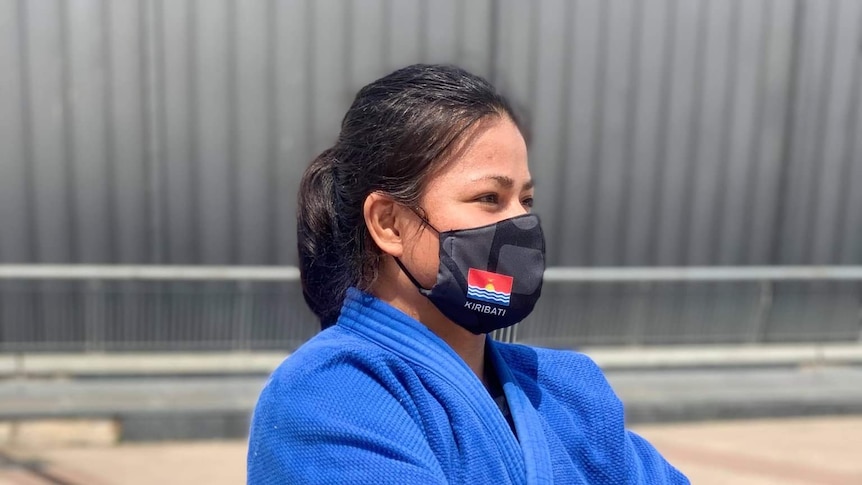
{"x": 489, "y": 287}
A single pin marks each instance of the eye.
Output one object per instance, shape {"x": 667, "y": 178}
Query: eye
{"x": 527, "y": 202}
{"x": 488, "y": 199}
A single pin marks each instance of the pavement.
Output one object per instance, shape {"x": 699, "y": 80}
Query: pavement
{"x": 211, "y": 463}
{"x": 796, "y": 451}
{"x": 823, "y": 450}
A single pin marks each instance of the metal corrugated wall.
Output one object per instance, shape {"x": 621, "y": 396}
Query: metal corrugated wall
{"x": 663, "y": 132}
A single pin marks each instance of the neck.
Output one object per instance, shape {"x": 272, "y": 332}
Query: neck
{"x": 470, "y": 347}
{"x": 399, "y": 292}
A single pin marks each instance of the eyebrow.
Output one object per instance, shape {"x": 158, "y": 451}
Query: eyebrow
{"x": 505, "y": 182}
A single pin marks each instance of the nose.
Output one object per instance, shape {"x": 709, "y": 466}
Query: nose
{"x": 516, "y": 209}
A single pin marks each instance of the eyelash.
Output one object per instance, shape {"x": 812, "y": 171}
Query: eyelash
{"x": 484, "y": 198}
{"x": 528, "y": 202}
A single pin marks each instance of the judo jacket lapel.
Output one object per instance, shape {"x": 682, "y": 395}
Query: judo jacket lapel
{"x": 536, "y": 452}
{"x": 408, "y": 338}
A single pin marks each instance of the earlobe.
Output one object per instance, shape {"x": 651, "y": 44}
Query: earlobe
{"x": 380, "y": 213}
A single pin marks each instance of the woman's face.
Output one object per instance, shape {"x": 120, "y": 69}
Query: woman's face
{"x": 486, "y": 181}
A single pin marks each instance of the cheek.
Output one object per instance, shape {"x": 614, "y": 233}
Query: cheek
{"x": 425, "y": 258}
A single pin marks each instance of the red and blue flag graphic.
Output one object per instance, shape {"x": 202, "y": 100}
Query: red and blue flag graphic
{"x": 489, "y": 287}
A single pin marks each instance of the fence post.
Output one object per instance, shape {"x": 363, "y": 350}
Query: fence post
{"x": 507, "y": 335}
{"x": 94, "y": 322}
{"x": 242, "y": 316}
{"x": 643, "y": 292}
{"x": 859, "y": 313}
{"x": 764, "y": 309}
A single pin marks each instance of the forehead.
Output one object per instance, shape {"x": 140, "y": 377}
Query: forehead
{"x": 494, "y": 146}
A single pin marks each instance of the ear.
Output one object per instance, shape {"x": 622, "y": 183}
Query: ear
{"x": 381, "y": 219}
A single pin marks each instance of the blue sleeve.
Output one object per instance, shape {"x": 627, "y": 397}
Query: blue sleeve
{"x": 616, "y": 455}
{"x": 341, "y": 426}
{"x": 653, "y": 468}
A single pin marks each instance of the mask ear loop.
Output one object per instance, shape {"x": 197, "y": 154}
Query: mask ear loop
{"x": 409, "y": 276}
{"x": 424, "y": 220}
{"x": 398, "y": 260}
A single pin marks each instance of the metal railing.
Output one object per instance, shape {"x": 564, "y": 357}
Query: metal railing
{"x": 697, "y": 305}
{"x": 116, "y": 308}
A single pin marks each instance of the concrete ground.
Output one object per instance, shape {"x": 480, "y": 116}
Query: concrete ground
{"x": 212, "y": 463}
{"x": 822, "y": 450}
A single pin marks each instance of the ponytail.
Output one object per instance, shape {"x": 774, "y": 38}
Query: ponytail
{"x": 321, "y": 264}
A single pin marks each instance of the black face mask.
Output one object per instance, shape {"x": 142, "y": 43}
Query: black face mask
{"x": 490, "y": 277}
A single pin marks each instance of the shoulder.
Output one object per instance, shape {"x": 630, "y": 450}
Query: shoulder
{"x": 333, "y": 349}
{"x": 333, "y": 365}
{"x": 338, "y": 402}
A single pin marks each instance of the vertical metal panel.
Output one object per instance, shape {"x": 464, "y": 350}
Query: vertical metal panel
{"x": 442, "y": 31}
{"x": 775, "y": 93}
{"x": 406, "y": 29}
{"x": 814, "y": 23}
{"x": 544, "y": 99}
{"x": 620, "y": 22}
{"x": 643, "y": 148}
{"x": 819, "y": 125}
{"x": 252, "y": 156}
{"x": 685, "y": 86}
{"x": 741, "y": 131}
{"x": 213, "y": 73}
{"x": 561, "y": 127}
{"x": 573, "y": 131}
{"x": 851, "y": 242}
{"x": 662, "y": 131}
{"x": 328, "y": 50}
{"x": 14, "y": 206}
{"x": 68, "y": 109}
{"x": 177, "y": 129}
{"x": 368, "y": 36}
{"x": 291, "y": 89}
{"x": 42, "y": 27}
{"x": 129, "y": 142}
{"x": 152, "y": 61}
{"x": 474, "y": 25}
{"x": 849, "y": 247}
{"x": 629, "y": 156}
{"x": 87, "y": 105}
{"x": 708, "y": 160}
{"x": 835, "y": 135}
{"x": 513, "y": 61}
{"x": 110, "y": 129}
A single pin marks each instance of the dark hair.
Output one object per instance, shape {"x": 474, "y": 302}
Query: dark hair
{"x": 396, "y": 133}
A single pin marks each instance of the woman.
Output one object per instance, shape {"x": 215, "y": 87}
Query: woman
{"x": 415, "y": 241}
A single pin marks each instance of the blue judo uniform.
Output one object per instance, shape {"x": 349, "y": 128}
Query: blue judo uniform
{"x": 378, "y": 398}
